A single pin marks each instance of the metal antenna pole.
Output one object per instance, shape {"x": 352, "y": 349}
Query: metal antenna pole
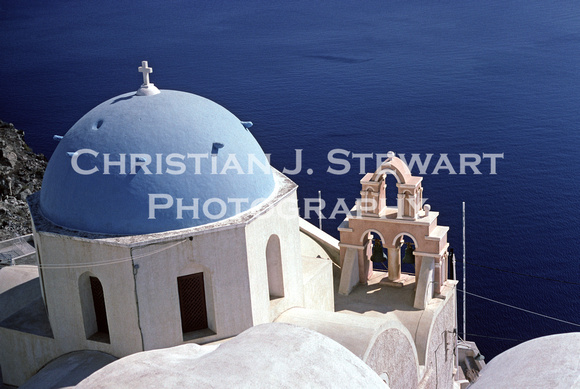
{"x": 319, "y": 210}
{"x": 464, "y": 294}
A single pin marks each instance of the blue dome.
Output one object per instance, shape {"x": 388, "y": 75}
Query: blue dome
{"x": 143, "y": 164}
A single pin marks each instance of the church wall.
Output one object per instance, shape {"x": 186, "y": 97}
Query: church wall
{"x": 72, "y": 258}
{"x": 19, "y": 286}
{"x": 322, "y": 239}
{"x": 318, "y": 284}
{"x": 281, "y": 220}
{"x": 28, "y": 353}
{"x": 158, "y": 304}
{"x": 435, "y": 340}
{"x": 393, "y": 353}
{"x": 219, "y": 255}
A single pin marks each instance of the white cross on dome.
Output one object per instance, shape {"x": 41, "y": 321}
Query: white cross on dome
{"x": 145, "y": 69}
{"x": 147, "y": 88}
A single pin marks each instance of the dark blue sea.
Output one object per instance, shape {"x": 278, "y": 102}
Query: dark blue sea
{"x": 445, "y": 77}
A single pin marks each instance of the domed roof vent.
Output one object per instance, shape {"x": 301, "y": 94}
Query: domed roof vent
{"x": 154, "y": 161}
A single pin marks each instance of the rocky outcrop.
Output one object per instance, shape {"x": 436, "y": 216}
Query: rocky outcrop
{"x": 21, "y": 172}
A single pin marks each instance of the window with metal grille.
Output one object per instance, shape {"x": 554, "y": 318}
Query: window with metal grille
{"x": 192, "y": 302}
{"x": 99, "y": 305}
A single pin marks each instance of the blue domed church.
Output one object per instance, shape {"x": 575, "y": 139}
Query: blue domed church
{"x": 167, "y": 247}
{"x": 160, "y": 221}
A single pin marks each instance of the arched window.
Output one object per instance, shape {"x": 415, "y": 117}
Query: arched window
{"x": 94, "y": 308}
{"x": 408, "y": 210}
{"x": 274, "y": 267}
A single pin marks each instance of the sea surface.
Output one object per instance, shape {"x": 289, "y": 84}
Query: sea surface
{"x": 414, "y": 77}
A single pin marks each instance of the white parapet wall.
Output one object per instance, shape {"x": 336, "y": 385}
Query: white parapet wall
{"x": 327, "y": 242}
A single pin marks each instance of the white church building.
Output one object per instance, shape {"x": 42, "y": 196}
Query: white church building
{"x": 162, "y": 234}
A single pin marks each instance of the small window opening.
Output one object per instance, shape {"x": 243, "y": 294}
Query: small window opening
{"x": 192, "y": 303}
{"x": 274, "y": 268}
{"x": 102, "y": 326}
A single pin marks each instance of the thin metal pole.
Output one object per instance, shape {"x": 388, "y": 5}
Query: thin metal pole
{"x": 456, "y": 330}
{"x": 319, "y": 210}
{"x": 454, "y": 265}
{"x": 464, "y": 288}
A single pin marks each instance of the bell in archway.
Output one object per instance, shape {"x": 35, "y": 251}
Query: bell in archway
{"x": 378, "y": 253}
{"x": 409, "y": 256}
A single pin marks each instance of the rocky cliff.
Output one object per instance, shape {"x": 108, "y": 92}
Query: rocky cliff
{"x": 21, "y": 172}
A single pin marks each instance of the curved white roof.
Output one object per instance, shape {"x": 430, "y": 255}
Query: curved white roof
{"x": 547, "y": 362}
{"x": 266, "y": 356}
